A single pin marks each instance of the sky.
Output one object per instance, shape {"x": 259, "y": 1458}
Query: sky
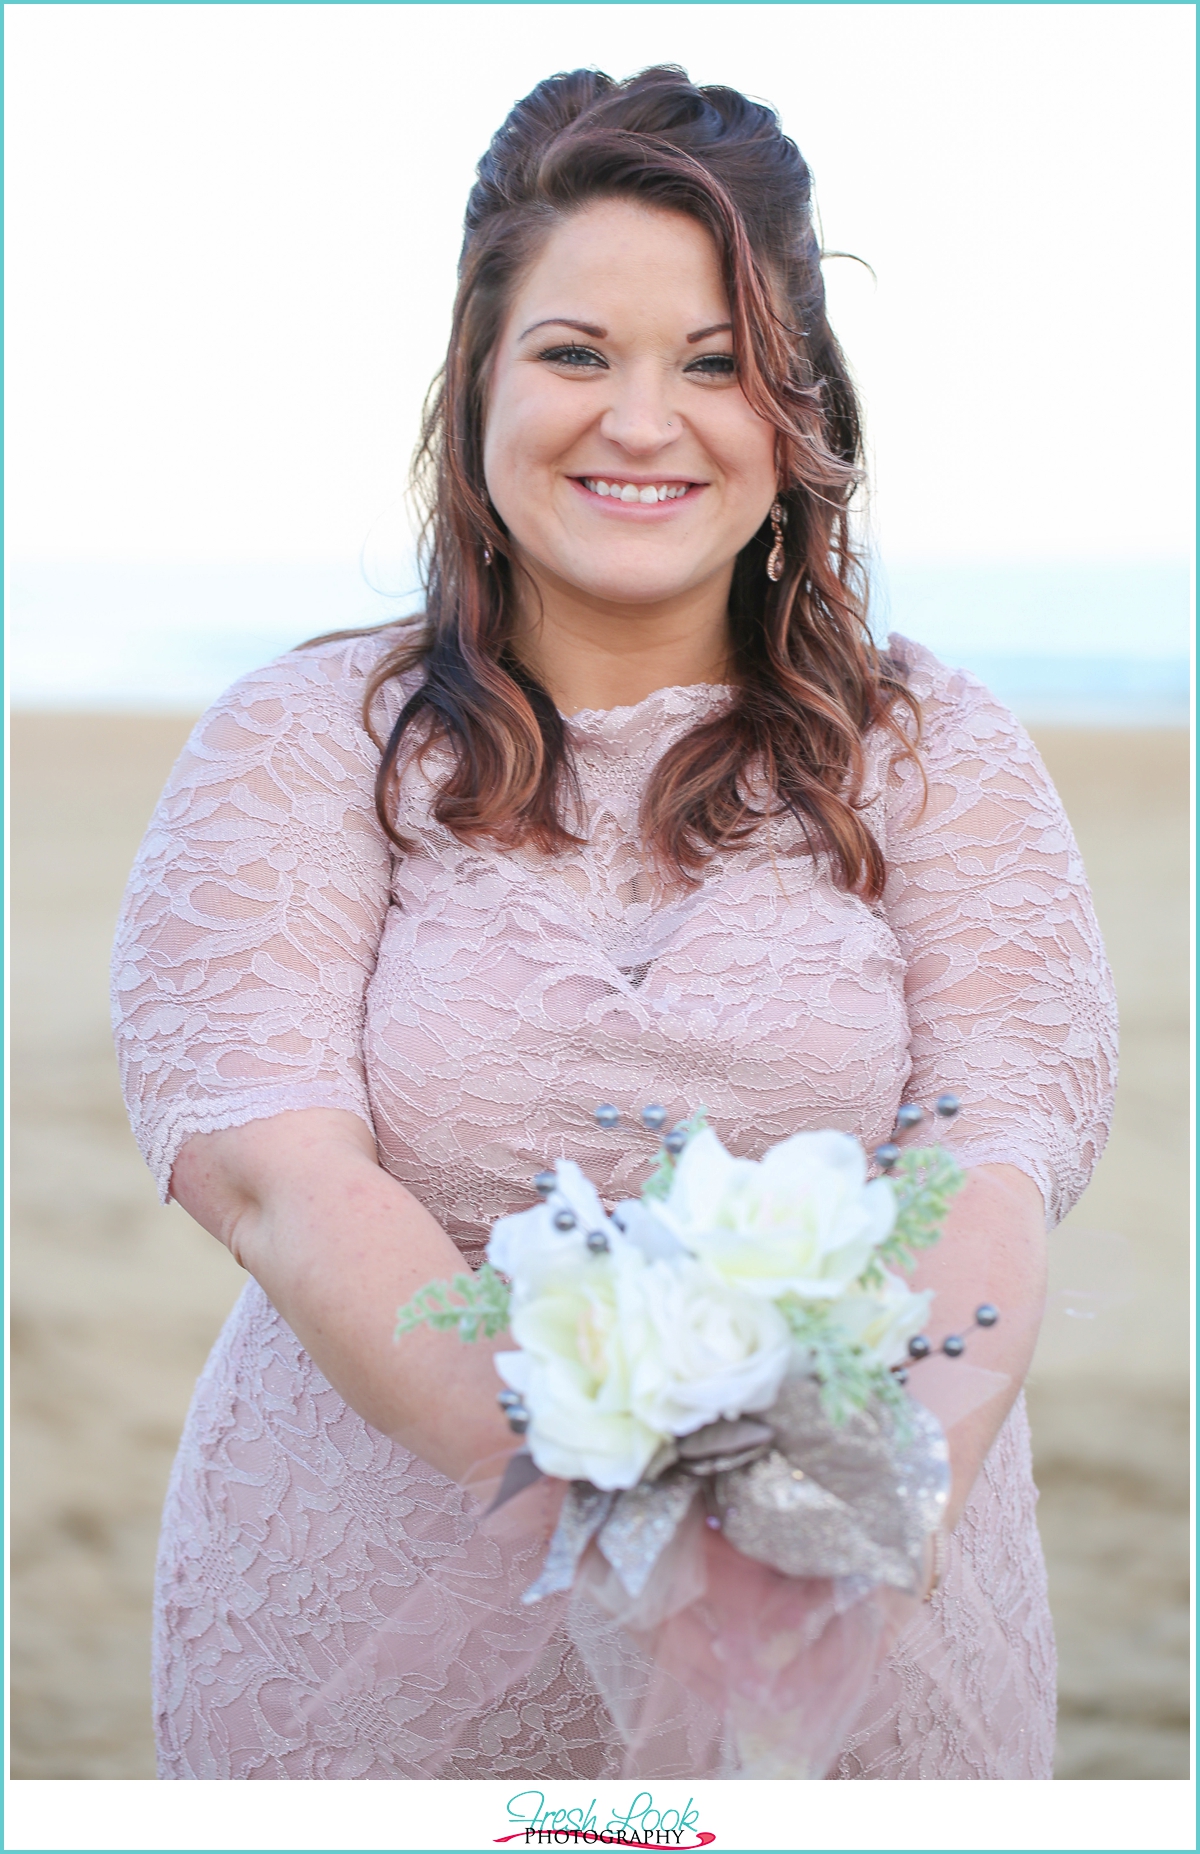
{"x": 232, "y": 235}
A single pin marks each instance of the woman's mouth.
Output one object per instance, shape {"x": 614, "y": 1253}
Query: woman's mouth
{"x": 618, "y": 490}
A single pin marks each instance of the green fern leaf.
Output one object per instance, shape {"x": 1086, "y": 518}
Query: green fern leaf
{"x": 482, "y": 1308}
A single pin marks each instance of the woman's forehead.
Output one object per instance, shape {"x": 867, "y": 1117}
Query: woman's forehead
{"x": 623, "y": 258}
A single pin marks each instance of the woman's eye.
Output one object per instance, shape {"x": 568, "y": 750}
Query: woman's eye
{"x": 714, "y": 366}
{"x": 574, "y": 357}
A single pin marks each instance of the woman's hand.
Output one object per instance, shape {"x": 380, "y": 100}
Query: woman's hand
{"x": 993, "y": 1248}
{"x": 338, "y": 1245}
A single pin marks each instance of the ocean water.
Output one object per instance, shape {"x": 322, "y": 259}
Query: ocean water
{"x": 1074, "y": 644}
{"x": 1085, "y": 643}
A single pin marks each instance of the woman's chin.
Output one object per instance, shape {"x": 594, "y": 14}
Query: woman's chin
{"x": 636, "y": 582}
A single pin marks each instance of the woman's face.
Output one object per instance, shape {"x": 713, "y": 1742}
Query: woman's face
{"x": 620, "y": 451}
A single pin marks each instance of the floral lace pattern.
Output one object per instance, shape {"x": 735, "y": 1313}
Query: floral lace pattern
{"x": 473, "y": 1006}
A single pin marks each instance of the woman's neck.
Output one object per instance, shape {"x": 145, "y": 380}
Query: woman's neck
{"x": 589, "y": 654}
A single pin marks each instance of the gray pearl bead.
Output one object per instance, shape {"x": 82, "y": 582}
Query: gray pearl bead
{"x": 946, "y": 1106}
{"x": 654, "y": 1118}
{"x": 919, "y": 1347}
{"x": 675, "y": 1142}
{"x": 886, "y": 1156}
{"x": 900, "y": 1374}
{"x": 597, "y": 1242}
{"x": 544, "y": 1183}
{"x": 910, "y": 1115}
{"x": 607, "y": 1115}
{"x": 953, "y": 1346}
{"x": 513, "y": 1408}
{"x": 987, "y": 1315}
{"x": 564, "y": 1219}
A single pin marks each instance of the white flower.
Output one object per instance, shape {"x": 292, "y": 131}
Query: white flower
{"x": 697, "y": 1349}
{"x": 573, "y": 1372}
{"x": 618, "y": 1353}
{"x": 802, "y": 1220}
{"x": 646, "y": 1232}
{"x": 884, "y": 1318}
{"x": 521, "y": 1246}
{"x": 622, "y": 1349}
{"x": 673, "y": 1325}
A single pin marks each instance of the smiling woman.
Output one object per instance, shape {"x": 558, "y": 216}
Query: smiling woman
{"x": 653, "y": 408}
{"x": 687, "y": 261}
{"x": 629, "y": 473}
{"x": 636, "y": 811}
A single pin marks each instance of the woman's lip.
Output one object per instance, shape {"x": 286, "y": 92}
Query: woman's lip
{"x": 645, "y": 511}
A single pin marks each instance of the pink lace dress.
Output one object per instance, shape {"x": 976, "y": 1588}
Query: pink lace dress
{"x": 473, "y": 1006}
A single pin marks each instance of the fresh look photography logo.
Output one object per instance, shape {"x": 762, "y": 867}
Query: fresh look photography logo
{"x": 646, "y": 1823}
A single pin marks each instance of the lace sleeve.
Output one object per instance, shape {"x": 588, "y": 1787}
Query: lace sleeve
{"x": 1009, "y": 994}
{"x": 253, "y": 914}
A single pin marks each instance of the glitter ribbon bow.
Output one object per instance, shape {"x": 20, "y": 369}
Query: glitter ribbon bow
{"x": 810, "y": 1497}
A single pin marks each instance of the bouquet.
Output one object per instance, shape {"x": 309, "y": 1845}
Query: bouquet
{"x": 717, "y": 1371}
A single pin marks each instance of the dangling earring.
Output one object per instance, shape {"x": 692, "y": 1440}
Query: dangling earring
{"x": 775, "y": 559}
{"x": 487, "y": 554}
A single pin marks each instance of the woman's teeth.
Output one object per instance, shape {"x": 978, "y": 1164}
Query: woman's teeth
{"x": 634, "y": 492}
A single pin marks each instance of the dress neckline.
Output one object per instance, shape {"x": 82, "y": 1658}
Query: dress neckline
{"x": 678, "y": 696}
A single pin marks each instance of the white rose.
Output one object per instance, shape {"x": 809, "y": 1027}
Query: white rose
{"x": 884, "y": 1318}
{"x": 573, "y": 1371}
{"x": 697, "y": 1349}
{"x": 802, "y": 1220}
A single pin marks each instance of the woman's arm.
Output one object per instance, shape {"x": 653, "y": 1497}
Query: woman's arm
{"x": 993, "y": 1248}
{"x": 253, "y": 916}
{"x": 1010, "y": 1007}
{"x": 249, "y": 935}
{"x": 337, "y": 1246}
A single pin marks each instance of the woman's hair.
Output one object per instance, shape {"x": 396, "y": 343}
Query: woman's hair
{"x": 809, "y": 680}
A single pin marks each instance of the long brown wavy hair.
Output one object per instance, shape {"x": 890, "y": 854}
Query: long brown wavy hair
{"x": 809, "y": 681}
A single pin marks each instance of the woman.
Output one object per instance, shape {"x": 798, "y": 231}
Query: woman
{"x": 636, "y": 813}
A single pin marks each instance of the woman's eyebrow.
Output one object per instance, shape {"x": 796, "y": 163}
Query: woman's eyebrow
{"x": 599, "y": 334}
{"x": 564, "y": 321}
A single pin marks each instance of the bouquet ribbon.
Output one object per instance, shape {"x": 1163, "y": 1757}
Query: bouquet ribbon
{"x": 796, "y": 1491}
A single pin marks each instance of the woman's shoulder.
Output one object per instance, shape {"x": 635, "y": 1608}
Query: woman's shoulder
{"x": 313, "y": 687}
{"x": 958, "y": 712}
{"x": 967, "y": 742}
{"x": 940, "y": 688}
{"x": 331, "y": 670}
{"x": 302, "y": 710}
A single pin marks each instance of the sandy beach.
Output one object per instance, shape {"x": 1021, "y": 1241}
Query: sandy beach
{"x": 117, "y": 1299}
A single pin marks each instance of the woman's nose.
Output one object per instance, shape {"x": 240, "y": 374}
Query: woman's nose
{"x": 639, "y": 416}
